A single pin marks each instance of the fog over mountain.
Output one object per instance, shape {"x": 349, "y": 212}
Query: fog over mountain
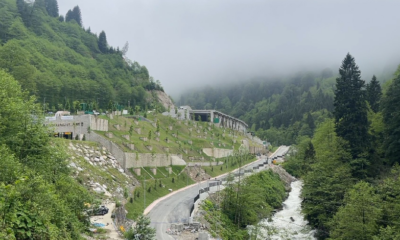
{"x": 186, "y": 44}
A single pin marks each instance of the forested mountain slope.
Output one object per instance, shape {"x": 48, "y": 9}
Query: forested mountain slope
{"x": 350, "y": 166}
{"x": 278, "y": 109}
{"x": 61, "y": 62}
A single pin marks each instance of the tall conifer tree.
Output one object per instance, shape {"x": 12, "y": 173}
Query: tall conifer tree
{"x": 103, "y": 46}
{"x": 69, "y": 16}
{"x": 52, "y": 7}
{"x": 374, "y": 94}
{"x": 350, "y": 112}
{"x": 391, "y": 118}
{"x": 77, "y": 15}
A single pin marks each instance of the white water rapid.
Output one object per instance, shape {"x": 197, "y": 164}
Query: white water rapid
{"x": 288, "y": 224}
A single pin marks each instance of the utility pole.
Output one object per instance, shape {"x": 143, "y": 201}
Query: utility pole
{"x": 129, "y": 104}
{"x": 144, "y": 192}
{"x": 44, "y": 105}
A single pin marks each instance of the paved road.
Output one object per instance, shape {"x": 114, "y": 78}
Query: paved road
{"x": 176, "y": 207}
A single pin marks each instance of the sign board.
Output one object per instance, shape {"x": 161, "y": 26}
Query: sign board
{"x": 51, "y": 118}
{"x": 125, "y": 112}
{"x": 67, "y": 117}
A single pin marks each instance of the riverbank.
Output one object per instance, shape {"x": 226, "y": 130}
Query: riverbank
{"x": 241, "y": 203}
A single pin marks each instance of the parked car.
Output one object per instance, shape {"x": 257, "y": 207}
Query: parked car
{"x": 102, "y": 210}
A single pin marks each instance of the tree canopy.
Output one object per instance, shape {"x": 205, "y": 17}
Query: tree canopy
{"x": 38, "y": 198}
{"x": 60, "y": 62}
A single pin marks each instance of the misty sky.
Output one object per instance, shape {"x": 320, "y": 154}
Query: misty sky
{"x": 190, "y": 43}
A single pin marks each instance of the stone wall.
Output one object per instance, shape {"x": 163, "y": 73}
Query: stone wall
{"x": 217, "y": 152}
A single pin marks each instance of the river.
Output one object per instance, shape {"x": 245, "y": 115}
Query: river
{"x": 281, "y": 226}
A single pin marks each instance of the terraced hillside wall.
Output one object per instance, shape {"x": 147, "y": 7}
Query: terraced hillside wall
{"x": 217, "y": 152}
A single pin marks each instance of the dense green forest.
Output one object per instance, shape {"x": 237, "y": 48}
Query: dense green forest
{"x": 346, "y": 148}
{"x": 63, "y": 64}
{"x": 38, "y": 197}
{"x": 350, "y": 166}
{"x": 279, "y": 109}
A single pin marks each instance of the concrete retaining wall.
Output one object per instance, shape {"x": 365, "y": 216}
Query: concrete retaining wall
{"x": 217, "y": 152}
{"x": 78, "y": 124}
{"x": 98, "y": 124}
{"x": 149, "y": 160}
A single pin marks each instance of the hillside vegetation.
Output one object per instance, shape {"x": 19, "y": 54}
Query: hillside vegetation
{"x": 350, "y": 166}
{"x": 38, "y": 198}
{"x": 279, "y": 109}
{"x": 64, "y": 64}
{"x": 179, "y": 136}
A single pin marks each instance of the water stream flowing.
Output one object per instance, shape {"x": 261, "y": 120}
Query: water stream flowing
{"x": 289, "y": 222}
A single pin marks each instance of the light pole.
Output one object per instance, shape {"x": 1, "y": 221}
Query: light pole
{"x": 144, "y": 192}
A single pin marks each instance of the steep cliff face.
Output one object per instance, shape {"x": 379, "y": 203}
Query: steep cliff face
{"x": 164, "y": 99}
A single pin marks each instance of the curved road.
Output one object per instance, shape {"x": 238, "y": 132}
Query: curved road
{"x": 175, "y": 207}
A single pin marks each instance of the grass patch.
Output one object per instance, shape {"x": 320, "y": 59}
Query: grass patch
{"x": 154, "y": 189}
{"x": 181, "y": 133}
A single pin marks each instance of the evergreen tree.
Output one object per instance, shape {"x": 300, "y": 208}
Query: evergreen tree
{"x": 52, "y": 7}
{"x": 350, "y": 112}
{"x": 374, "y": 94}
{"x": 77, "y": 15}
{"x": 391, "y": 118}
{"x": 103, "y": 46}
{"x": 69, "y": 16}
{"x": 22, "y": 8}
{"x": 310, "y": 121}
{"x": 142, "y": 229}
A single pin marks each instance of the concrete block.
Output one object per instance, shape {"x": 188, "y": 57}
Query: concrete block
{"x": 154, "y": 171}
{"x": 149, "y": 147}
{"x": 138, "y": 130}
{"x": 109, "y": 134}
{"x": 118, "y": 127}
{"x": 130, "y": 146}
{"x": 127, "y": 137}
{"x": 166, "y": 149}
{"x": 138, "y": 171}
